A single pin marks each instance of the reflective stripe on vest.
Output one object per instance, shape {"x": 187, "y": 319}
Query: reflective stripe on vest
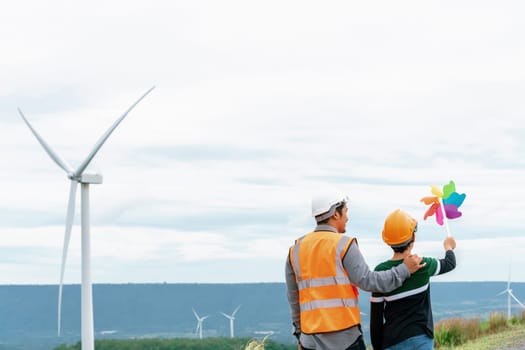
{"x": 327, "y": 299}
{"x": 323, "y": 281}
{"x": 312, "y": 305}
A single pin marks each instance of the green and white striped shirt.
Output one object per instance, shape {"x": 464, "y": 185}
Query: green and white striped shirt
{"x": 406, "y": 311}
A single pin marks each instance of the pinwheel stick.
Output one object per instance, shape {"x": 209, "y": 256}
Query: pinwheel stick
{"x": 445, "y": 220}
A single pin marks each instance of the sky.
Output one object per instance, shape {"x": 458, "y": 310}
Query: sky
{"x": 257, "y": 105}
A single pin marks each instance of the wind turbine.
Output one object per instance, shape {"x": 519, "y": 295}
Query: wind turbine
{"x": 231, "y": 318}
{"x": 510, "y": 295}
{"x": 85, "y": 179}
{"x": 200, "y": 320}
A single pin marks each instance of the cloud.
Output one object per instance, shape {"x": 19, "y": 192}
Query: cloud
{"x": 214, "y": 169}
{"x": 205, "y": 152}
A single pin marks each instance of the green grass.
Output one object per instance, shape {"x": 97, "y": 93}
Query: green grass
{"x": 182, "y": 344}
{"x": 458, "y": 333}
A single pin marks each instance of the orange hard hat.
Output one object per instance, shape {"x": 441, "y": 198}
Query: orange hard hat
{"x": 399, "y": 228}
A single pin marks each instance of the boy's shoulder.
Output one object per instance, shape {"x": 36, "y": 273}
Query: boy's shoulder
{"x": 387, "y": 265}
{"x": 430, "y": 267}
{"x": 428, "y": 260}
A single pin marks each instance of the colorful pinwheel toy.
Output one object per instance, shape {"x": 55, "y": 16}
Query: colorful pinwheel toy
{"x": 444, "y": 204}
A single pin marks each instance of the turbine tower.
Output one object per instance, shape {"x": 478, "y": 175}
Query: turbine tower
{"x": 85, "y": 179}
{"x": 510, "y": 295}
{"x": 231, "y": 318}
{"x": 200, "y": 320}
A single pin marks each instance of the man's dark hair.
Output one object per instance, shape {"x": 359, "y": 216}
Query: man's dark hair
{"x": 339, "y": 209}
{"x": 401, "y": 249}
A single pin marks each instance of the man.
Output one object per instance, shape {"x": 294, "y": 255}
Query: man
{"x": 402, "y": 319}
{"x": 323, "y": 270}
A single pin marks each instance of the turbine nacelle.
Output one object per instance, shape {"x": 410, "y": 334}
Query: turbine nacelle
{"x": 86, "y": 178}
{"x": 503, "y": 292}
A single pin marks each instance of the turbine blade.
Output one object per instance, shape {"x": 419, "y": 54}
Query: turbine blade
{"x": 519, "y": 302}
{"x": 236, "y": 309}
{"x": 500, "y": 293}
{"x": 195, "y": 313}
{"x": 67, "y": 236}
{"x": 227, "y": 316}
{"x": 105, "y": 136}
{"x": 55, "y": 157}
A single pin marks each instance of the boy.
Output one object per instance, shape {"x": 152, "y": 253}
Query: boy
{"x": 402, "y": 319}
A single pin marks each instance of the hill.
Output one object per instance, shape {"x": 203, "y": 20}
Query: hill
{"x": 28, "y": 314}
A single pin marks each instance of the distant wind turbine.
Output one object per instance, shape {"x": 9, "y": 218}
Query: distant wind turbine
{"x": 85, "y": 179}
{"x": 510, "y": 295}
{"x": 232, "y": 319}
{"x": 200, "y": 320}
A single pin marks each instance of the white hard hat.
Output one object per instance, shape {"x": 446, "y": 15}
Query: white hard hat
{"x": 326, "y": 203}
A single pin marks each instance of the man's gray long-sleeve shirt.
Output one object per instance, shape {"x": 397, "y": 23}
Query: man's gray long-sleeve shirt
{"x": 361, "y": 276}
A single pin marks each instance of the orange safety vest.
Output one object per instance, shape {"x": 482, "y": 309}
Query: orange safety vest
{"x": 327, "y": 299}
